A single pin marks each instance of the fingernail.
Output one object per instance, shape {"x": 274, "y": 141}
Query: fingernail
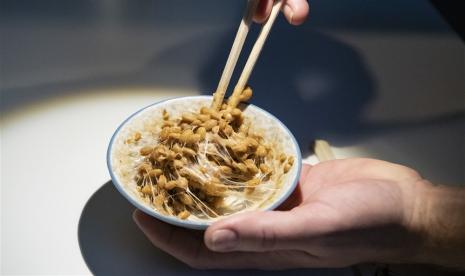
{"x": 224, "y": 239}
{"x": 288, "y": 10}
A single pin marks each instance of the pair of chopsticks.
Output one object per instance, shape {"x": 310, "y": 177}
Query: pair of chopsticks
{"x": 322, "y": 148}
{"x": 236, "y": 48}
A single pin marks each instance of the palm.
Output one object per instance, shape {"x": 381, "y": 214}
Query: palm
{"x": 349, "y": 190}
{"x": 361, "y": 205}
{"x": 341, "y": 213}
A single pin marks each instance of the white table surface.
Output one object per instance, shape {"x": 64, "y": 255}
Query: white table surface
{"x": 66, "y": 87}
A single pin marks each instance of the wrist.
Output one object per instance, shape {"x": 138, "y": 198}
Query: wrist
{"x": 439, "y": 219}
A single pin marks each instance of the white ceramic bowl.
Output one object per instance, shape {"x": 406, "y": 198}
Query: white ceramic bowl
{"x": 272, "y": 129}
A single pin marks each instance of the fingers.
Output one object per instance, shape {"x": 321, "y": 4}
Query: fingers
{"x": 262, "y": 231}
{"x": 188, "y": 247}
{"x": 259, "y": 231}
{"x": 296, "y": 11}
{"x": 263, "y": 11}
{"x": 178, "y": 242}
{"x": 352, "y": 169}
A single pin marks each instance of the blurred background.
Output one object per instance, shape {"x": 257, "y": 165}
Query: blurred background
{"x": 380, "y": 79}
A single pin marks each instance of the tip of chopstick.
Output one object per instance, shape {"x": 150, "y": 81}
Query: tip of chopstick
{"x": 323, "y": 150}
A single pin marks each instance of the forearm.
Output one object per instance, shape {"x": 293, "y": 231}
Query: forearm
{"x": 440, "y": 217}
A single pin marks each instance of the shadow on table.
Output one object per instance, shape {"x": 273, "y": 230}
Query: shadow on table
{"x": 111, "y": 243}
{"x": 319, "y": 86}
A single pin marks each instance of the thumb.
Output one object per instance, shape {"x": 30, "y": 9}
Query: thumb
{"x": 256, "y": 231}
{"x": 296, "y": 11}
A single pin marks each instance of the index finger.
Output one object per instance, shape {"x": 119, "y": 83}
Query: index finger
{"x": 188, "y": 246}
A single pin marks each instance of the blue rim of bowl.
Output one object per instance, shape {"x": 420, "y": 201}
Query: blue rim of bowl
{"x": 185, "y": 223}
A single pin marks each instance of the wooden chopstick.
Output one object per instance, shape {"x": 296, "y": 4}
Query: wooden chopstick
{"x": 254, "y": 54}
{"x": 323, "y": 151}
{"x": 236, "y": 48}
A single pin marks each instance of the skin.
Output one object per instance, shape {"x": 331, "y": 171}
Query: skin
{"x": 295, "y": 11}
{"x": 343, "y": 212}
